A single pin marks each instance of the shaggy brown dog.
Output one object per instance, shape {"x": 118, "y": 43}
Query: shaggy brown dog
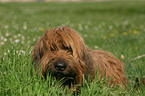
{"x": 62, "y": 52}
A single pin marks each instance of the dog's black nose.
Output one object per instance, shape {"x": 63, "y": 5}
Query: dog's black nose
{"x": 60, "y": 66}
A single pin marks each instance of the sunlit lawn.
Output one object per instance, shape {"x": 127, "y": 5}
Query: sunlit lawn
{"x": 117, "y": 27}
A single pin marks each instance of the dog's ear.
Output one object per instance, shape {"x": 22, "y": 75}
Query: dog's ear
{"x": 38, "y": 51}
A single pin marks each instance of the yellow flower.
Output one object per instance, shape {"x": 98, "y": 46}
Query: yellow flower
{"x": 105, "y": 37}
{"x": 111, "y": 35}
{"x": 135, "y": 32}
{"x": 42, "y": 29}
{"x": 116, "y": 31}
{"x": 125, "y": 33}
{"x": 137, "y": 47}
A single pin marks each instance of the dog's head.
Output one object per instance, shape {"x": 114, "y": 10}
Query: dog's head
{"x": 61, "y": 52}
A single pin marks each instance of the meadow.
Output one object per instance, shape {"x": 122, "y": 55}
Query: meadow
{"x": 117, "y": 27}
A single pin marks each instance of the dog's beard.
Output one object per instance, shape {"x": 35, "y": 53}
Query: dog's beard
{"x": 64, "y": 79}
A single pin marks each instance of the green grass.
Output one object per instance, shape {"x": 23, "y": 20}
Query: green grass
{"x": 117, "y": 27}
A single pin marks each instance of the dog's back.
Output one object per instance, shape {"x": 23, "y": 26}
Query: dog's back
{"x": 109, "y": 66}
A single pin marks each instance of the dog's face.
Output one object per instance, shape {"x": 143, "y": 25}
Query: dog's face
{"x": 62, "y": 53}
{"x": 61, "y": 64}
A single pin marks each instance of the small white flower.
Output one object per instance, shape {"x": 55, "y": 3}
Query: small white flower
{"x": 2, "y": 43}
{"x": 17, "y": 40}
{"x": 4, "y": 72}
{"x": 25, "y": 27}
{"x": 19, "y": 35}
{"x": 5, "y": 53}
{"x": 30, "y": 52}
{"x": 7, "y": 34}
{"x": 22, "y": 51}
{"x": 22, "y": 42}
{"x": 5, "y": 39}
{"x": 34, "y": 39}
{"x": 96, "y": 47}
{"x": 19, "y": 54}
{"x": 2, "y": 37}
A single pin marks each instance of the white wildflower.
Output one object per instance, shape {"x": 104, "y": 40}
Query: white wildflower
{"x": 17, "y": 40}
{"x": 34, "y": 39}
{"x": 4, "y": 72}
{"x": 19, "y": 35}
{"x": 2, "y": 37}
{"x": 7, "y": 34}
{"x": 25, "y": 27}
{"x": 2, "y": 43}
{"x": 96, "y": 47}
{"x": 5, "y": 53}
{"x": 5, "y": 39}
{"x": 22, "y": 51}
{"x": 30, "y": 51}
{"x": 22, "y": 42}
{"x": 19, "y": 54}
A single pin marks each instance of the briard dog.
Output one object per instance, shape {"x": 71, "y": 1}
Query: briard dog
{"x": 62, "y": 53}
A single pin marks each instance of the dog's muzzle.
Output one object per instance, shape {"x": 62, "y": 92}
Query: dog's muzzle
{"x": 60, "y": 66}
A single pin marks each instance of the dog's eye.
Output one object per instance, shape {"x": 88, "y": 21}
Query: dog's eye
{"x": 53, "y": 48}
{"x": 69, "y": 49}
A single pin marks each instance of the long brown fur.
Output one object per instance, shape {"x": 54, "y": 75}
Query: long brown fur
{"x": 65, "y": 45}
